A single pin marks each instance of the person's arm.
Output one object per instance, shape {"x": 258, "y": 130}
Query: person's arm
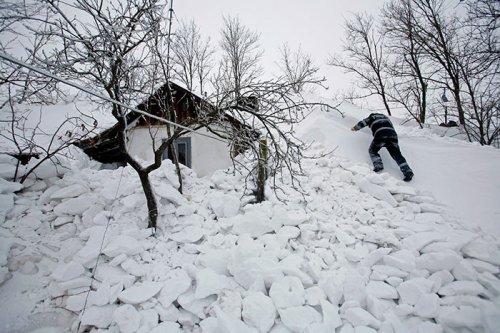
{"x": 361, "y": 124}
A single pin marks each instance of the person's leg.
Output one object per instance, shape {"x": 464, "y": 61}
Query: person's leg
{"x": 373, "y": 150}
{"x": 393, "y": 149}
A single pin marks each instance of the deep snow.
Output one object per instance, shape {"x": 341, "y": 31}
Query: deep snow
{"x": 360, "y": 252}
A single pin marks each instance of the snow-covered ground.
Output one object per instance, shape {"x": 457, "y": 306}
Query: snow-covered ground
{"x": 360, "y": 252}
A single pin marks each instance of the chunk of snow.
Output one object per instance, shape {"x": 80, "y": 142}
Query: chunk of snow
{"x": 197, "y": 306}
{"x": 132, "y": 267}
{"x": 149, "y": 319}
{"x": 209, "y": 282}
{"x": 7, "y": 187}
{"x": 134, "y": 200}
{"x": 71, "y": 191}
{"x": 228, "y": 323}
{"x": 437, "y": 261}
{"x": 314, "y": 295}
{"x": 378, "y": 307}
{"x": 174, "y": 286}
{"x": 98, "y": 316}
{"x": 465, "y": 317}
{"x": 287, "y": 292}
{"x": 412, "y": 290}
{"x": 76, "y": 303}
{"x": 168, "y": 326}
{"x": 249, "y": 270}
{"x": 485, "y": 251}
{"x": 419, "y": 240}
{"x": 375, "y": 256}
{"x": 461, "y": 288}
{"x": 123, "y": 244}
{"x": 297, "y": 318}
{"x": 140, "y": 293}
{"x": 376, "y": 191}
{"x": 258, "y": 310}
{"x": 190, "y": 234}
{"x": 4, "y": 275}
{"x": 465, "y": 271}
{"x": 403, "y": 260}
{"x": 331, "y": 316}
{"x": 381, "y": 289}
{"x": 166, "y": 191}
{"x": 114, "y": 275}
{"x": 74, "y": 206}
{"x": 427, "y": 306}
{"x": 224, "y": 205}
{"x": 254, "y": 224}
{"x": 66, "y": 272}
{"x": 6, "y": 205}
{"x": 361, "y": 317}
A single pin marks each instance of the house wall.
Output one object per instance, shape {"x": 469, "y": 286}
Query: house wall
{"x": 207, "y": 155}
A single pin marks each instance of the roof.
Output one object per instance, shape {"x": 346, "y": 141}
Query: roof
{"x": 105, "y": 147}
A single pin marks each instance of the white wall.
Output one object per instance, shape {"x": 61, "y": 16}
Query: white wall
{"x": 207, "y": 155}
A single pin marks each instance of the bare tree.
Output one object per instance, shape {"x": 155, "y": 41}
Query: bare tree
{"x": 241, "y": 55}
{"x": 365, "y": 57}
{"x": 269, "y": 112}
{"x": 409, "y": 68}
{"x": 108, "y": 45}
{"x": 479, "y": 64}
{"x": 296, "y": 67}
{"x": 191, "y": 56}
{"x": 439, "y": 36}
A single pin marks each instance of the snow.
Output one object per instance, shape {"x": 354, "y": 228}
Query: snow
{"x": 359, "y": 252}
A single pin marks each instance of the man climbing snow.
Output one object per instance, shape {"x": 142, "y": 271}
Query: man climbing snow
{"x": 384, "y": 135}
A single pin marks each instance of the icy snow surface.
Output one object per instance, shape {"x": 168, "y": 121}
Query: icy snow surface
{"x": 360, "y": 252}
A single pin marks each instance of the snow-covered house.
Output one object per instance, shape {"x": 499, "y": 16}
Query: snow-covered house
{"x": 202, "y": 153}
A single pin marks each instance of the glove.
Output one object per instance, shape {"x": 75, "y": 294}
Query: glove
{"x": 353, "y": 129}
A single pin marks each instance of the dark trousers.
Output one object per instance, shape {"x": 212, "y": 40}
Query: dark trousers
{"x": 392, "y": 146}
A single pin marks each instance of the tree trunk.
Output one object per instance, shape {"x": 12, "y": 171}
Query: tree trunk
{"x": 150, "y": 198}
{"x": 262, "y": 171}
{"x": 173, "y": 154}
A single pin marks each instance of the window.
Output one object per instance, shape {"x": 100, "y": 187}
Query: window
{"x": 183, "y": 151}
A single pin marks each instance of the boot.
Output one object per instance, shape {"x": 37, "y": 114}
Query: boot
{"x": 408, "y": 176}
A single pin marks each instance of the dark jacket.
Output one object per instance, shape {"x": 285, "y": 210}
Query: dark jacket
{"x": 380, "y": 125}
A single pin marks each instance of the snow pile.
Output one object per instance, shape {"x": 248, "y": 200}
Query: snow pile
{"x": 360, "y": 252}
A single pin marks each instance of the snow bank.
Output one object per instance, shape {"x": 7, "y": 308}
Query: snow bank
{"x": 360, "y": 252}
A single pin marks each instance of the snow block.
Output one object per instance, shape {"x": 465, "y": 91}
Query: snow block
{"x": 412, "y": 290}
{"x": 166, "y": 191}
{"x": 381, "y": 289}
{"x": 210, "y": 283}
{"x": 123, "y": 244}
{"x": 258, "y": 310}
{"x": 66, "y": 272}
{"x": 437, "y": 261}
{"x": 461, "y": 288}
{"x": 376, "y": 191}
{"x": 246, "y": 272}
{"x": 6, "y": 205}
{"x": 7, "y": 187}
{"x": 287, "y": 292}
{"x": 71, "y": 191}
{"x": 224, "y": 205}
{"x": 298, "y": 318}
{"x": 98, "y": 316}
{"x": 74, "y": 206}
{"x": 140, "y": 293}
{"x": 174, "y": 286}
{"x": 361, "y": 317}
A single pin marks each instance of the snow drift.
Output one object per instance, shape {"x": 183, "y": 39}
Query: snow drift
{"x": 359, "y": 252}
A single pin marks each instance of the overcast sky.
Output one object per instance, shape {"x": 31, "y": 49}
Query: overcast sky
{"x": 316, "y": 25}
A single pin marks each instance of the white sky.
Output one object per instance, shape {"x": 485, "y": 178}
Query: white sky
{"x": 315, "y": 25}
